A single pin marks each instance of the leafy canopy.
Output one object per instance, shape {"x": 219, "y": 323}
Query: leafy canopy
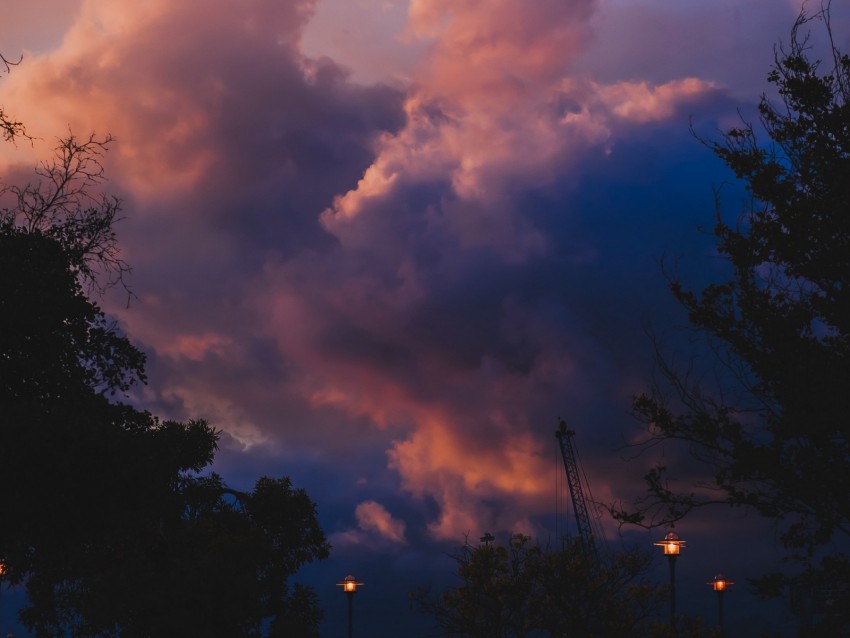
{"x": 524, "y": 590}
{"x": 106, "y": 520}
{"x": 775, "y": 436}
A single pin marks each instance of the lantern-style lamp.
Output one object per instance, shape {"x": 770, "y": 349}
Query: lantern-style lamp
{"x": 719, "y": 584}
{"x": 349, "y": 585}
{"x": 672, "y": 546}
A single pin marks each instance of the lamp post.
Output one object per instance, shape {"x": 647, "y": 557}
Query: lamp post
{"x": 349, "y": 585}
{"x": 672, "y": 546}
{"x": 719, "y": 584}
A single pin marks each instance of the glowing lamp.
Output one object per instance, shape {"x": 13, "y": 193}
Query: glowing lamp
{"x": 719, "y": 583}
{"x": 672, "y": 544}
{"x": 349, "y": 584}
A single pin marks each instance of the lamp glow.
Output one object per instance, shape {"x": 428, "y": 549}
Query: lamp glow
{"x": 719, "y": 583}
{"x": 349, "y": 585}
{"x": 672, "y": 544}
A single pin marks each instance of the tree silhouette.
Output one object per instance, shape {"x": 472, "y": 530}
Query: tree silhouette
{"x": 523, "y": 590}
{"x": 775, "y": 436}
{"x": 106, "y": 520}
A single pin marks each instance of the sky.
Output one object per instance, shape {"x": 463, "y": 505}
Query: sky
{"x": 384, "y": 245}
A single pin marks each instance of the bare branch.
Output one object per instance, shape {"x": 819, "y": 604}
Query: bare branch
{"x": 66, "y": 203}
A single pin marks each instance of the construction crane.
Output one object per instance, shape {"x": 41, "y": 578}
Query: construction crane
{"x": 585, "y": 532}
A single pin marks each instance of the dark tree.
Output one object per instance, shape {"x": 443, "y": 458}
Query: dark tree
{"x": 66, "y": 203}
{"x": 775, "y": 436}
{"x": 106, "y": 520}
{"x": 524, "y": 590}
{"x": 220, "y": 568}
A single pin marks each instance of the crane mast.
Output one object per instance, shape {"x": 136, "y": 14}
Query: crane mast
{"x": 565, "y": 439}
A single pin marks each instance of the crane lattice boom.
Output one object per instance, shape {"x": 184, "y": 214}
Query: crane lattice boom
{"x": 565, "y": 438}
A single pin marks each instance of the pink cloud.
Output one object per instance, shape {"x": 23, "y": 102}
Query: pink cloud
{"x": 155, "y": 75}
{"x": 469, "y": 441}
{"x": 495, "y": 88}
{"x": 494, "y": 112}
{"x": 640, "y": 102}
{"x": 497, "y": 51}
{"x": 373, "y": 517}
{"x": 197, "y": 346}
{"x": 463, "y": 474}
{"x": 308, "y": 268}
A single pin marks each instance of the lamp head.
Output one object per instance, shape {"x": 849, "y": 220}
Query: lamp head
{"x": 672, "y": 544}
{"x": 719, "y": 583}
{"x": 349, "y": 584}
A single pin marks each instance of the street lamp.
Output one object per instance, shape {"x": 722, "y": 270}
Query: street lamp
{"x": 719, "y": 584}
{"x": 349, "y": 585}
{"x": 672, "y": 546}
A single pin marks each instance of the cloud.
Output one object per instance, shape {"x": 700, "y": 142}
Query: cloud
{"x": 441, "y": 256}
{"x": 467, "y": 477}
{"x": 373, "y": 517}
{"x": 639, "y": 102}
{"x": 229, "y": 143}
{"x": 415, "y": 279}
{"x": 375, "y": 527}
{"x": 35, "y": 25}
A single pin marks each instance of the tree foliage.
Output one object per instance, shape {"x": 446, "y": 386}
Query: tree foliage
{"x": 523, "y": 591}
{"x": 776, "y": 436}
{"x": 65, "y": 203}
{"x": 219, "y": 567}
{"x": 106, "y": 519}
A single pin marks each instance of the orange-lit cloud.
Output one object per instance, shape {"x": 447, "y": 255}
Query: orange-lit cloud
{"x": 137, "y": 72}
{"x": 373, "y": 517}
{"x": 411, "y": 277}
{"x": 495, "y": 112}
{"x": 465, "y": 472}
{"x": 642, "y": 103}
